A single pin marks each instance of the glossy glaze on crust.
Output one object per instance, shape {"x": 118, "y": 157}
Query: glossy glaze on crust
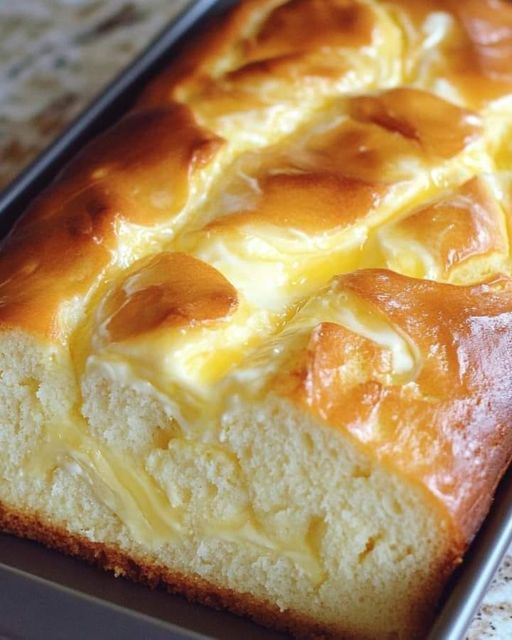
{"x": 262, "y": 38}
{"x": 138, "y": 172}
{"x": 259, "y": 73}
{"x": 461, "y": 228}
{"x": 172, "y": 290}
{"x": 439, "y": 128}
{"x": 450, "y": 409}
{"x": 472, "y": 52}
{"x": 335, "y": 177}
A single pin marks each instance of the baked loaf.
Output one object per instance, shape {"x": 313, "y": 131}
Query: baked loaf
{"x": 256, "y": 339}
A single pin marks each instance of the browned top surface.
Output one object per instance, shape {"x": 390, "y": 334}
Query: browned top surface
{"x": 136, "y": 172}
{"x": 361, "y": 123}
{"x": 446, "y": 422}
{"x": 172, "y": 290}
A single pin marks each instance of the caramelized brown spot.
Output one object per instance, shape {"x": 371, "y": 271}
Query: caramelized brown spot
{"x": 296, "y": 40}
{"x": 338, "y": 177}
{"x": 454, "y": 415}
{"x": 148, "y": 156}
{"x": 364, "y": 152}
{"x": 198, "y": 60}
{"x": 440, "y": 128}
{"x": 475, "y": 55}
{"x": 300, "y": 39}
{"x": 172, "y": 290}
{"x": 304, "y": 25}
{"x": 460, "y": 226}
{"x": 488, "y": 24}
{"x": 44, "y": 262}
{"x": 309, "y": 202}
{"x": 340, "y": 358}
{"x": 137, "y": 171}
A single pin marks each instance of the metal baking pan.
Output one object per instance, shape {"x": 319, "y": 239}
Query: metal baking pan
{"x": 44, "y": 594}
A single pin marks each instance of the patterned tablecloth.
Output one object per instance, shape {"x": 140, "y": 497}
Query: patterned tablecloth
{"x": 54, "y": 56}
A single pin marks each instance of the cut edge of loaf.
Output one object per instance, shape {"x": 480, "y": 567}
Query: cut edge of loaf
{"x": 46, "y": 511}
{"x": 193, "y": 588}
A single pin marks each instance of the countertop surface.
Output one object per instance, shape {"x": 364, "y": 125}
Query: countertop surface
{"x": 55, "y": 55}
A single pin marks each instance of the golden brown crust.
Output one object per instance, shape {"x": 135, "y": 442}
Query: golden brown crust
{"x": 476, "y": 53}
{"x": 169, "y": 291}
{"x": 464, "y": 224}
{"x": 197, "y": 59}
{"x": 440, "y": 129}
{"x": 296, "y": 27}
{"x": 138, "y": 171}
{"x": 262, "y": 39}
{"x": 310, "y": 202}
{"x": 444, "y": 423}
{"x": 340, "y": 176}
